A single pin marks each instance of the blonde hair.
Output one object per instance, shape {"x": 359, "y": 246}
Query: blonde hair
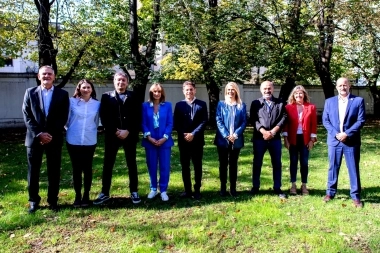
{"x": 237, "y": 95}
{"x": 306, "y": 97}
{"x": 162, "y": 98}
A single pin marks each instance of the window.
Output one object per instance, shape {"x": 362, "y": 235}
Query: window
{"x": 8, "y": 62}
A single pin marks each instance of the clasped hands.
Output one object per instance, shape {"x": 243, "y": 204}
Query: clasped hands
{"x": 231, "y": 138}
{"x": 121, "y": 134}
{"x": 156, "y": 142}
{"x": 45, "y": 138}
{"x": 188, "y": 137}
{"x": 267, "y": 135}
{"x": 341, "y": 136}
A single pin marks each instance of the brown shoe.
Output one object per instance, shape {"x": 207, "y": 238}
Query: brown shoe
{"x": 304, "y": 190}
{"x": 358, "y": 203}
{"x": 293, "y": 190}
{"x": 327, "y": 198}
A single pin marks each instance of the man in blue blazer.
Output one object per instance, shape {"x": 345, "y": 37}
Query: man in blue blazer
{"x": 190, "y": 117}
{"x": 45, "y": 110}
{"x": 343, "y": 117}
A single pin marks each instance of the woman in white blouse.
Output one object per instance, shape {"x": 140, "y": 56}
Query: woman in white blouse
{"x": 81, "y": 138}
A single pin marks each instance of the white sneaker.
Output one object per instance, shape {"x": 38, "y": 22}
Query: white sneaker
{"x": 164, "y": 196}
{"x": 152, "y": 194}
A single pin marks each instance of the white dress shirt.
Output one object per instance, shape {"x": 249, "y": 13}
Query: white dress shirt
{"x": 342, "y": 106}
{"x": 82, "y": 126}
{"x": 46, "y": 95}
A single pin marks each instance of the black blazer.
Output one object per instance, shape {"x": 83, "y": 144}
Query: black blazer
{"x": 125, "y": 115}
{"x": 261, "y": 118}
{"x": 35, "y": 119}
{"x": 184, "y": 124}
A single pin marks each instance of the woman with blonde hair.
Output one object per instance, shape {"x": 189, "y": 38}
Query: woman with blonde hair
{"x": 231, "y": 120}
{"x": 300, "y": 134}
{"x": 157, "y": 125}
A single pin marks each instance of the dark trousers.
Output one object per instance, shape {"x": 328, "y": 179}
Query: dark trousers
{"x": 53, "y": 153}
{"x": 259, "y": 149}
{"x": 112, "y": 145}
{"x": 228, "y": 157}
{"x": 81, "y": 159}
{"x": 302, "y": 152}
{"x": 352, "y": 157}
{"x": 188, "y": 152}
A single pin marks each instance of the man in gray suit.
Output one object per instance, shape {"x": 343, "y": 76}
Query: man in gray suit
{"x": 45, "y": 110}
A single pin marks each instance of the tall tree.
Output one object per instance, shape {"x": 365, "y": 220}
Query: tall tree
{"x": 360, "y": 38}
{"x": 322, "y": 56}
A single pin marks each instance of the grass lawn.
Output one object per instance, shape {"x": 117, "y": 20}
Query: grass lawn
{"x": 244, "y": 224}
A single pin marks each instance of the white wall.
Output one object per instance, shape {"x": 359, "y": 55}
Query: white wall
{"x": 13, "y": 86}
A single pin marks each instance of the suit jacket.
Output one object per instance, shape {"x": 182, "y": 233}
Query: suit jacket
{"x": 309, "y": 122}
{"x": 165, "y": 124}
{"x": 223, "y": 118}
{"x": 353, "y": 121}
{"x": 117, "y": 114}
{"x": 37, "y": 122}
{"x": 184, "y": 124}
{"x": 261, "y": 118}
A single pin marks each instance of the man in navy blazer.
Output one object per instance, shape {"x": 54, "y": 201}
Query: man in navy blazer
{"x": 190, "y": 117}
{"x": 343, "y": 117}
{"x": 45, "y": 110}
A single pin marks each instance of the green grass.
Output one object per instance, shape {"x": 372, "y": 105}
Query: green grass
{"x": 214, "y": 224}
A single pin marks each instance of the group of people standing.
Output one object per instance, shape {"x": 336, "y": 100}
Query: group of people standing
{"x": 48, "y": 109}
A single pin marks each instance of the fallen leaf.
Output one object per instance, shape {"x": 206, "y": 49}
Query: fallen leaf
{"x": 27, "y": 235}
{"x": 112, "y": 229}
{"x": 233, "y": 231}
{"x": 12, "y": 236}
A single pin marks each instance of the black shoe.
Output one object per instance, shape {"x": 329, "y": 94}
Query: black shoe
{"x": 85, "y": 201}
{"x": 280, "y": 193}
{"x": 254, "y": 191}
{"x": 101, "y": 199}
{"x": 223, "y": 193}
{"x": 54, "y": 207}
{"x": 197, "y": 195}
{"x": 186, "y": 195}
{"x": 77, "y": 203}
{"x": 33, "y": 206}
{"x": 135, "y": 198}
{"x": 233, "y": 193}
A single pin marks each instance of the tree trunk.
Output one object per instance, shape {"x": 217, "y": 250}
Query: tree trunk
{"x": 323, "y": 55}
{"x": 46, "y": 52}
{"x": 142, "y": 63}
{"x": 375, "y": 92}
{"x": 287, "y": 88}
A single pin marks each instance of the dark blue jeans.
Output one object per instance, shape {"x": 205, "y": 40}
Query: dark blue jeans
{"x": 301, "y": 152}
{"x": 259, "y": 149}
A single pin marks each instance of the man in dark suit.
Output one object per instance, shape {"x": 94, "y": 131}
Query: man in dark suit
{"x": 45, "y": 110}
{"x": 190, "y": 117}
{"x": 343, "y": 117}
{"x": 120, "y": 114}
{"x": 268, "y": 117}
